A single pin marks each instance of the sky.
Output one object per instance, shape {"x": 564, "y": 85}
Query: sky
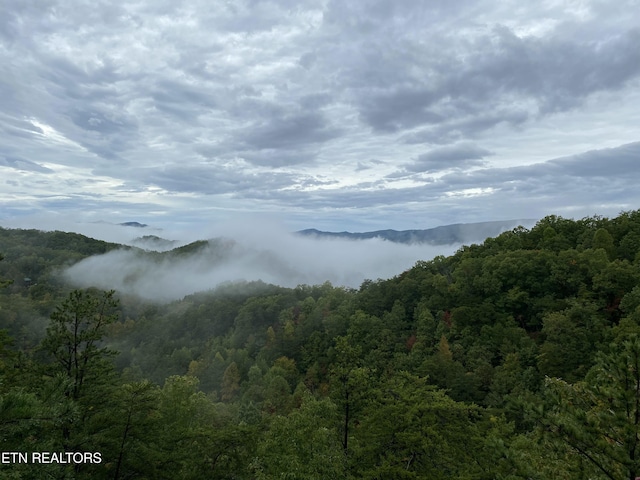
{"x": 336, "y": 115}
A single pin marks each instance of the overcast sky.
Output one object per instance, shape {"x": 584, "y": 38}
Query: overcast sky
{"x": 338, "y": 115}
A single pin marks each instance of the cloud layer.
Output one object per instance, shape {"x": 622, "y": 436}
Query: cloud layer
{"x": 335, "y": 115}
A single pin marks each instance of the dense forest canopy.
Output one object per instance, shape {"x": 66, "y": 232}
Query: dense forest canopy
{"x": 517, "y": 358}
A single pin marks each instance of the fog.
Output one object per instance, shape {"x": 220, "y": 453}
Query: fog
{"x": 249, "y": 252}
{"x": 100, "y": 230}
{"x": 247, "y": 249}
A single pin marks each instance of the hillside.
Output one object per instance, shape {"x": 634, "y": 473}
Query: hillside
{"x": 459, "y": 233}
{"x": 516, "y": 358}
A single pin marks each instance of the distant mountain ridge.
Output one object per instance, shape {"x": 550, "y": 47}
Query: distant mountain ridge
{"x": 133, "y": 224}
{"x": 442, "y": 235}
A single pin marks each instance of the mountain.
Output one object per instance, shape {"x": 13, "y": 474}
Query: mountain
{"x": 133, "y": 224}
{"x": 443, "y": 235}
{"x": 153, "y": 242}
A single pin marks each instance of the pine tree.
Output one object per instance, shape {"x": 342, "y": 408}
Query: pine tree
{"x": 75, "y": 334}
{"x": 599, "y": 419}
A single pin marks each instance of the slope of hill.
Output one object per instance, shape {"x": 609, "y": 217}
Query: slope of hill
{"x": 443, "y": 235}
{"x": 487, "y": 363}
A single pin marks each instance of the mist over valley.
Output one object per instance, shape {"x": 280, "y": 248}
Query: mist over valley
{"x": 161, "y": 265}
{"x": 279, "y": 258}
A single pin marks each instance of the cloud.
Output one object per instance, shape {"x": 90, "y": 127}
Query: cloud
{"x": 280, "y": 106}
{"x": 611, "y": 163}
{"x": 521, "y": 77}
{"x": 23, "y": 164}
{"x": 215, "y": 179}
{"x": 462, "y": 155}
{"x": 578, "y": 185}
{"x": 288, "y": 131}
{"x": 535, "y": 190}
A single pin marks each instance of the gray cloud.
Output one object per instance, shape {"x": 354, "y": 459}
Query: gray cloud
{"x": 620, "y": 162}
{"x": 23, "y": 164}
{"x": 556, "y": 183}
{"x": 611, "y": 165}
{"x": 215, "y": 179}
{"x": 289, "y": 131}
{"x": 274, "y": 157}
{"x": 453, "y": 156}
{"x": 500, "y": 71}
{"x": 281, "y": 106}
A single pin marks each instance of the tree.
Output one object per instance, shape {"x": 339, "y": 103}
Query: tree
{"x": 75, "y": 334}
{"x": 566, "y": 351}
{"x": 4, "y": 283}
{"x": 81, "y": 377}
{"x": 305, "y": 444}
{"x": 230, "y": 382}
{"x": 599, "y": 419}
{"x": 603, "y": 239}
{"x": 408, "y": 429}
{"x": 134, "y": 425}
{"x": 350, "y": 380}
{"x": 197, "y": 439}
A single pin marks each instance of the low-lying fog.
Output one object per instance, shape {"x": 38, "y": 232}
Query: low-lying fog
{"x": 253, "y": 249}
{"x": 249, "y": 253}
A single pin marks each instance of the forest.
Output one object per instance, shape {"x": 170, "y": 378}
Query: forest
{"x": 517, "y": 358}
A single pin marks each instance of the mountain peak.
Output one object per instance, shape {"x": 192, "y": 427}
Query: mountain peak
{"x": 133, "y": 224}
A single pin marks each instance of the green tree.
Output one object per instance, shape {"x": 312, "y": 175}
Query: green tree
{"x": 277, "y": 391}
{"x": 74, "y": 337}
{"x": 447, "y": 373}
{"x": 603, "y": 239}
{"x": 197, "y": 438}
{"x": 566, "y": 352}
{"x": 230, "y": 382}
{"x": 4, "y": 283}
{"x": 599, "y": 419}
{"x": 408, "y": 429}
{"x": 133, "y": 425}
{"x": 302, "y": 445}
{"x": 350, "y": 382}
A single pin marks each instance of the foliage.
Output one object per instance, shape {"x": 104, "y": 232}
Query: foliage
{"x": 599, "y": 418}
{"x": 512, "y": 359}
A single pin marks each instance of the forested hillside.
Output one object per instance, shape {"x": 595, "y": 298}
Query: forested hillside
{"x": 515, "y": 359}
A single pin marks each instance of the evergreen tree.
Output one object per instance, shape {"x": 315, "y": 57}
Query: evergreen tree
{"x": 4, "y": 283}
{"x": 599, "y": 419}
{"x": 74, "y": 337}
